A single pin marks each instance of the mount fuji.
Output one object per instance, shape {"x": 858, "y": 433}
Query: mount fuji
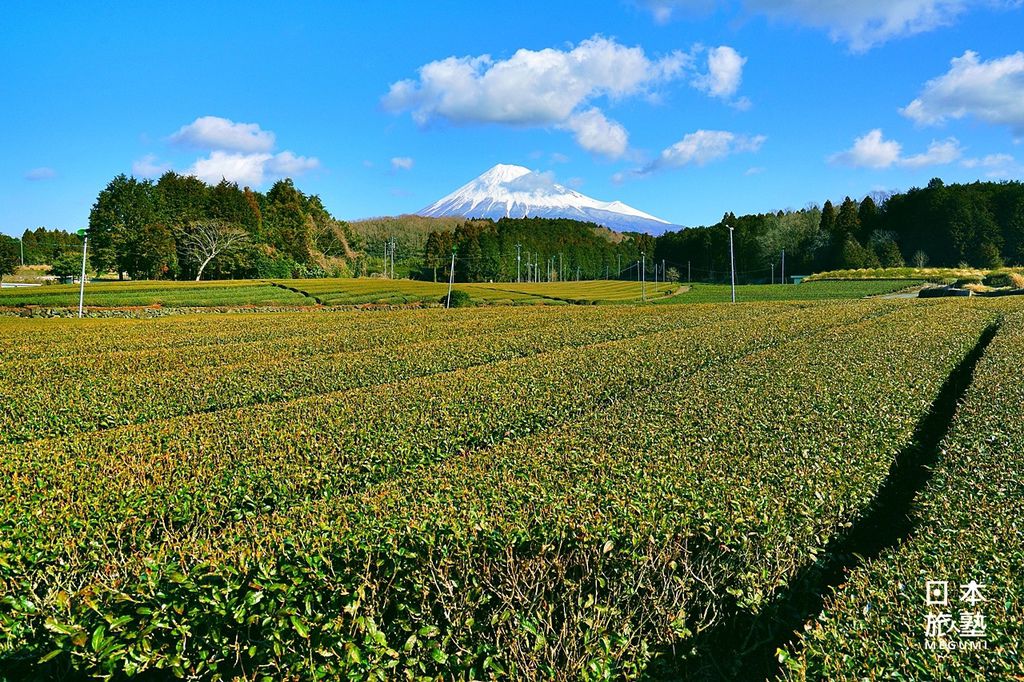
{"x": 507, "y": 191}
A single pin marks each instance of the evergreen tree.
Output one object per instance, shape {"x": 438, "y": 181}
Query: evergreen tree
{"x": 10, "y": 255}
{"x": 828, "y": 218}
{"x": 883, "y": 244}
{"x": 119, "y": 228}
{"x": 868, "y": 215}
{"x": 847, "y": 221}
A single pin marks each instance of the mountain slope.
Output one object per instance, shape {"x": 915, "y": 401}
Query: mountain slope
{"x": 507, "y": 191}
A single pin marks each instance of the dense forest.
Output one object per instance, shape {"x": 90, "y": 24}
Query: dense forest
{"x": 181, "y": 228}
{"x": 979, "y": 224}
{"x": 532, "y": 249}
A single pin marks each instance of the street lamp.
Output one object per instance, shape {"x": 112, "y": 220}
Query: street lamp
{"x": 81, "y": 281}
{"x": 732, "y": 265}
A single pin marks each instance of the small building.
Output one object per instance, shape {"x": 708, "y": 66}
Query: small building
{"x": 797, "y": 279}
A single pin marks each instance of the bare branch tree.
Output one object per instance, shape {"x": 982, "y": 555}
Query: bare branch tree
{"x": 206, "y": 239}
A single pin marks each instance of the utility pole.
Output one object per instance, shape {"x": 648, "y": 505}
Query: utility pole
{"x": 81, "y": 281}
{"x": 688, "y": 272}
{"x": 393, "y": 245}
{"x": 21, "y": 242}
{"x": 618, "y": 258}
{"x": 773, "y": 273}
{"x": 560, "y": 275}
{"x": 732, "y": 265}
{"x": 385, "y": 259}
{"x": 643, "y": 276}
{"x": 782, "y": 278}
{"x": 519, "y": 259}
{"x": 451, "y": 281}
{"x": 577, "y": 273}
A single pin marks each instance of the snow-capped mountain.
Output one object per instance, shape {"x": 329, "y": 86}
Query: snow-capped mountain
{"x": 517, "y": 192}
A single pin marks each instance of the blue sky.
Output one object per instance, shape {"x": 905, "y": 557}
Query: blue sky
{"x": 684, "y": 109}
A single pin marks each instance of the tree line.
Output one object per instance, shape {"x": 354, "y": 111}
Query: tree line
{"x": 531, "y": 249}
{"x": 181, "y": 228}
{"x": 978, "y": 225}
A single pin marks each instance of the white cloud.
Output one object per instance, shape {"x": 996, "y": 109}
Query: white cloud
{"x": 553, "y": 88}
{"x": 287, "y": 164}
{"x": 862, "y": 24}
{"x": 938, "y": 154}
{"x": 666, "y": 10}
{"x": 725, "y": 72}
{"x": 754, "y": 170}
{"x": 698, "y": 148}
{"x": 996, "y": 166}
{"x": 238, "y": 152}
{"x": 597, "y": 134}
{"x": 990, "y": 161}
{"x": 558, "y": 157}
{"x": 992, "y": 91}
{"x": 866, "y": 23}
{"x": 872, "y": 150}
{"x": 214, "y": 132}
{"x": 531, "y": 182}
{"x": 149, "y": 167}
{"x": 704, "y": 146}
{"x": 250, "y": 169}
{"x": 41, "y": 173}
{"x": 531, "y": 87}
{"x": 402, "y": 163}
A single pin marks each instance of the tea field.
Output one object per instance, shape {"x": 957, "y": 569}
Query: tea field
{"x": 373, "y": 292}
{"x": 511, "y": 492}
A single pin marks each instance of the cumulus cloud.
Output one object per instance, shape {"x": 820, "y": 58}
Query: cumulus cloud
{"x": 531, "y": 87}
{"x": 250, "y": 169}
{"x": 531, "y": 182}
{"x": 990, "y": 161}
{"x": 41, "y": 173}
{"x": 996, "y": 165}
{"x": 555, "y": 88}
{"x": 286, "y": 163}
{"x": 939, "y": 153}
{"x": 597, "y": 134}
{"x": 402, "y": 163}
{"x": 698, "y": 148}
{"x": 724, "y": 74}
{"x": 862, "y": 24}
{"x": 238, "y": 152}
{"x": 149, "y": 166}
{"x": 214, "y": 132}
{"x": 872, "y": 150}
{"x": 992, "y": 91}
{"x": 704, "y": 146}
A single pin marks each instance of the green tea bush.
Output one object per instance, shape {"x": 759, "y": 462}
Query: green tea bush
{"x": 968, "y": 527}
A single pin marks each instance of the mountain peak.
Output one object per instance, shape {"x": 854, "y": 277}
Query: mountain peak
{"x": 510, "y": 191}
{"x": 504, "y": 172}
